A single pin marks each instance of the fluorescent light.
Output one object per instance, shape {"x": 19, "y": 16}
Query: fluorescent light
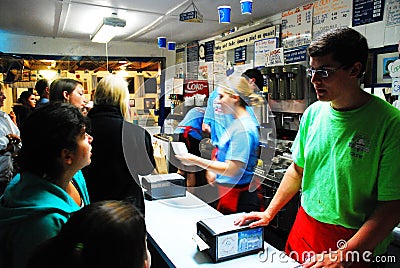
{"x": 109, "y": 28}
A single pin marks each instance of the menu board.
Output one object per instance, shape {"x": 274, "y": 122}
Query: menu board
{"x": 367, "y": 11}
{"x": 329, "y": 15}
{"x": 192, "y": 57}
{"x": 240, "y": 54}
{"x": 296, "y": 26}
{"x": 210, "y": 50}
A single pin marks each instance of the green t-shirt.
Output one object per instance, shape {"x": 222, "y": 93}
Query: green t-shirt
{"x": 349, "y": 160}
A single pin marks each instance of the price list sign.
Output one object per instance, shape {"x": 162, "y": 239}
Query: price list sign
{"x": 367, "y": 11}
{"x": 240, "y": 54}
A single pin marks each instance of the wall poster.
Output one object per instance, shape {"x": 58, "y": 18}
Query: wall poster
{"x": 260, "y": 50}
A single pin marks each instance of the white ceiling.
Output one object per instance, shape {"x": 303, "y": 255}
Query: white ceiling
{"x": 79, "y": 18}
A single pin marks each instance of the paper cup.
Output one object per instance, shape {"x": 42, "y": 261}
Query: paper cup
{"x": 246, "y": 6}
{"x": 162, "y": 42}
{"x": 224, "y": 13}
{"x": 171, "y": 45}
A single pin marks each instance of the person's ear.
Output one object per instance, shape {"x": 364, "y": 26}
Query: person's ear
{"x": 66, "y": 95}
{"x": 67, "y": 156}
{"x": 47, "y": 90}
{"x": 356, "y": 69}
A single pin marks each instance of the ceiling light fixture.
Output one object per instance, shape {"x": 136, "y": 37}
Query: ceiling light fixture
{"x": 109, "y": 27}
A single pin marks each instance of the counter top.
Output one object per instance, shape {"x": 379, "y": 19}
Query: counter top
{"x": 171, "y": 224}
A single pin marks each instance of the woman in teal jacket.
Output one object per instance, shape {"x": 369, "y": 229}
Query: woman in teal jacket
{"x": 50, "y": 186}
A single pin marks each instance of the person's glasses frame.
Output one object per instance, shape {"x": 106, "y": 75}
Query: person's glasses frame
{"x": 324, "y": 73}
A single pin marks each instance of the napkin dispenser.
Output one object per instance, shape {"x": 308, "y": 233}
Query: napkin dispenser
{"x": 222, "y": 240}
{"x": 163, "y": 186}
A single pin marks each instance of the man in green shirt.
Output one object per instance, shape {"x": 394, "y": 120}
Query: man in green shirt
{"x": 344, "y": 162}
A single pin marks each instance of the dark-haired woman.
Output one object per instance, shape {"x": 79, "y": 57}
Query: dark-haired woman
{"x": 68, "y": 90}
{"x": 103, "y": 234}
{"x": 48, "y": 190}
{"x": 25, "y": 105}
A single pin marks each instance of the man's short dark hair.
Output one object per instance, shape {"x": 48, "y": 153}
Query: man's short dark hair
{"x": 346, "y": 45}
{"x": 256, "y": 74}
{"x": 41, "y": 86}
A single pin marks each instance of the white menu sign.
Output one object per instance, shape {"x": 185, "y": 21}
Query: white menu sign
{"x": 296, "y": 26}
{"x": 330, "y": 15}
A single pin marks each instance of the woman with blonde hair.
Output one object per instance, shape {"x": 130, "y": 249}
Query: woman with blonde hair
{"x": 119, "y": 148}
{"x": 237, "y": 150}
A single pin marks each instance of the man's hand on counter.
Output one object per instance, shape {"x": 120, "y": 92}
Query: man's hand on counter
{"x": 255, "y": 218}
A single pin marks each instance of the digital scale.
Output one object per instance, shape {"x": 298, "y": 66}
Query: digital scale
{"x": 223, "y": 240}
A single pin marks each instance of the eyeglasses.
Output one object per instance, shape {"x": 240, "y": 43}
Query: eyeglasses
{"x": 324, "y": 73}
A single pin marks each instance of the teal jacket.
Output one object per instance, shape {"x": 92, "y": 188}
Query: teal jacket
{"x": 33, "y": 210}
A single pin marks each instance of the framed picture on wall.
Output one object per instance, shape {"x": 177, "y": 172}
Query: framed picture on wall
{"x": 149, "y": 103}
{"x": 382, "y": 62}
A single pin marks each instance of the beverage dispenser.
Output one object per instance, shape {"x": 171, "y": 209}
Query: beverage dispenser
{"x": 272, "y": 82}
{"x": 296, "y": 74}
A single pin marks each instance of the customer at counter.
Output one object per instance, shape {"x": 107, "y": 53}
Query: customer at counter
{"x": 68, "y": 90}
{"x": 343, "y": 161}
{"x": 121, "y": 150}
{"x": 39, "y": 200}
{"x": 103, "y": 234}
{"x": 43, "y": 90}
{"x": 237, "y": 150}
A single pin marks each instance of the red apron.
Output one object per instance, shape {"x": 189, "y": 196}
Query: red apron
{"x": 309, "y": 236}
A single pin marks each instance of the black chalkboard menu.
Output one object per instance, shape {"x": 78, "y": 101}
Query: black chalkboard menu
{"x": 240, "y": 54}
{"x": 210, "y": 50}
{"x": 367, "y": 11}
{"x": 192, "y": 57}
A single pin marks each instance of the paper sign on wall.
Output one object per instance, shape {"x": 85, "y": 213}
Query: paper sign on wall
{"x": 275, "y": 57}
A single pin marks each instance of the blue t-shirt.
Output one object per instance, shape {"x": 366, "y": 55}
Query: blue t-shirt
{"x": 240, "y": 142}
{"x": 194, "y": 119}
{"x": 217, "y": 120}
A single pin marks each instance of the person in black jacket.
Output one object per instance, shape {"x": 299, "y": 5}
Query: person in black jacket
{"x": 121, "y": 150}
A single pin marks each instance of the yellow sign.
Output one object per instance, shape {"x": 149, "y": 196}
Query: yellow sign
{"x": 246, "y": 39}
